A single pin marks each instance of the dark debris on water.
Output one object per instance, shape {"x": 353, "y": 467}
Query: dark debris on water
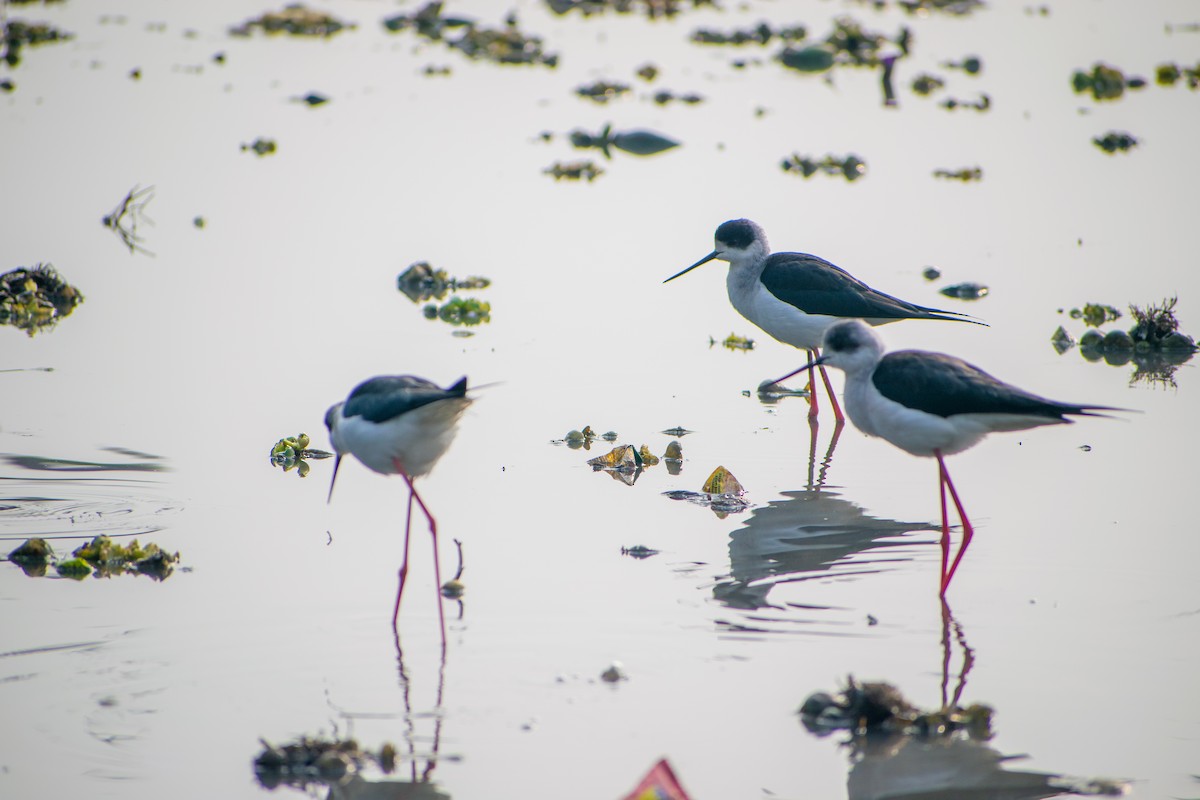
{"x": 1115, "y": 141}
{"x": 19, "y": 34}
{"x": 652, "y": 9}
{"x": 1154, "y": 344}
{"x": 293, "y": 20}
{"x": 850, "y": 167}
{"x": 507, "y": 45}
{"x": 313, "y": 761}
{"x": 35, "y": 299}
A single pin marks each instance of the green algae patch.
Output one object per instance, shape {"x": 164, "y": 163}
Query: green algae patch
{"x": 35, "y": 299}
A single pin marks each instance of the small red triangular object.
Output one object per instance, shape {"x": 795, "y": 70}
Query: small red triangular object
{"x": 660, "y": 783}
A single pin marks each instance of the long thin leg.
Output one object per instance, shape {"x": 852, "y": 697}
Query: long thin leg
{"x": 968, "y": 531}
{"x": 404, "y": 561}
{"x": 437, "y": 566}
{"x": 837, "y": 410}
{"x": 945, "y": 523}
{"x": 812, "y": 385}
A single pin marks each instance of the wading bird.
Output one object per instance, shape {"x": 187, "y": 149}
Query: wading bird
{"x": 932, "y": 405}
{"x": 399, "y": 425}
{"x": 795, "y": 297}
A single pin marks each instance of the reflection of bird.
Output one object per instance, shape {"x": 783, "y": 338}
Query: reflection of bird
{"x": 932, "y": 404}
{"x": 399, "y": 425}
{"x": 809, "y": 532}
{"x": 795, "y": 297}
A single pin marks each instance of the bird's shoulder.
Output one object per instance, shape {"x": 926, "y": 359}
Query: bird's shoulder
{"x": 788, "y": 272}
{"x": 945, "y": 385}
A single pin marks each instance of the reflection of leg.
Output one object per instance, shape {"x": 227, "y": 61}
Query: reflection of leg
{"x": 813, "y": 425}
{"x": 968, "y": 531}
{"x": 437, "y": 566}
{"x": 945, "y": 521}
{"x": 404, "y": 559}
{"x": 947, "y": 618}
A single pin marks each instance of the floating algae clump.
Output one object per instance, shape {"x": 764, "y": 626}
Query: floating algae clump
{"x": 35, "y": 299}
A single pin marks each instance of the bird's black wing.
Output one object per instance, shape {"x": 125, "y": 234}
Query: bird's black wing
{"x": 816, "y": 286}
{"x": 386, "y": 397}
{"x": 944, "y": 385}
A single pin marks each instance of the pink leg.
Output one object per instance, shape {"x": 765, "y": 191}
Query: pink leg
{"x": 968, "y": 531}
{"x": 945, "y": 524}
{"x": 837, "y": 410}
{"x": 437, "y": 566}
{"x": 403, "y": 562}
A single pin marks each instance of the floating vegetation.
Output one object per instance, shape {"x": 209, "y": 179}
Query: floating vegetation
{"x": 636, "y": 142}
{"x": 647, "y": 72}
{"x": 1095, "y": 314}
{"x": 760, "y": 34}
{"x": 124, "y": 219}
{"x": 311, "y": 99}
{"x": 432, "y": 71}
{"x": 1169, "y": 74}
{"x": 312, "y": 762}
{"x": 505, "y": 45}
{"x": 1115, "y": 141}
{"x": 664, "y": 96}
{"x": 653, "y": 9}
{"x": 7, "y": 86}
{"x": 926, "y": 84}
{"x": 294, "y": 20}
{"x": 972, "y": 65}
{"x": 34, "y": 300}
{"x": 576, "y": 439}
{"x": 1154, "y": 344}
{"x": 982, "y": 104}
{"x": 808, "y": 59}
{"x": 958, "y": 8}
{"x": 931, "y": 273}
{"x": 261, "y": 147}
{"x": 19, "y": 34}
{"x": 966, "y": 291}
{"x": 602, "y": 91}
{"x": 877, "y": 707}
{"x": 850, "y": 167}
{"x": 966, "y": 174}
{"x": 624, "y": 462}
{"x": 458, "y": 311}
{"x": 1104, "y": 82}
{"x": 290, "y": 453}
{"x": 678, "y": 431}
{"x": 574, "y": 170}
{"x": 733, "y": 342}
{"x": 421, "y": 282}
{"x": 721, "y": 492}
{"x": 102, "y": 557}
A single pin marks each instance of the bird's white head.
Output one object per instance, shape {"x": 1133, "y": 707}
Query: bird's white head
{"x": 739, "y": 241}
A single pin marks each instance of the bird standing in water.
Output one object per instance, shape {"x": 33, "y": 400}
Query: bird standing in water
{"x": 932, "y": 405}
{"x": 795, "y": 297}
{"x": 399, "y": 425}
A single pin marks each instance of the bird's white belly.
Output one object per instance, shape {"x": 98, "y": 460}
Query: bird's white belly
{"x": 781, "y": 320}
{"x": 412, "y": 442}
{"x": 915, "y": 432}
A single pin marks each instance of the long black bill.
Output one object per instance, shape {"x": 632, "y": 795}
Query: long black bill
{"x": 810, "y": 365}
{"x": 704, "y": 260}
{"x": 337, "y": 462}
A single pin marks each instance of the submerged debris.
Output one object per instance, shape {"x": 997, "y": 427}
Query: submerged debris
{"x": 124, "y": 219}
{"x": 574, "y": 170}
{"x": 760, "y": 34}
{"x": 36, "y": 299}
{"x": 966, "y": 291}
{"x": 850, "y": 167}
{"x": 721, "y": 492}
{"x": 1154, "y": 344}
{"x": 505, "y": 45}
{"x": 294, "y": 20}
{"x": 1114, "y": 141}
{"x": 310, "y": 761}
{"x": 878, "y": 707}
{"x": 1104, "y": 82}
{"x": 19, "y": 34}
{"x": 635, "y": 142}
{"x": 653, "y": 9}
{"x": 966, "y": 174}
{"x": 290, "y": 453}
{"x": 734, "y": 342}
{"x": 421, "y": 282}
{"x": 261, "y": 147}
{"x": 602, "y": 91}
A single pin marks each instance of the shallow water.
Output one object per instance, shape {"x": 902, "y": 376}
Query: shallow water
{"x": 1074, "y": 614}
